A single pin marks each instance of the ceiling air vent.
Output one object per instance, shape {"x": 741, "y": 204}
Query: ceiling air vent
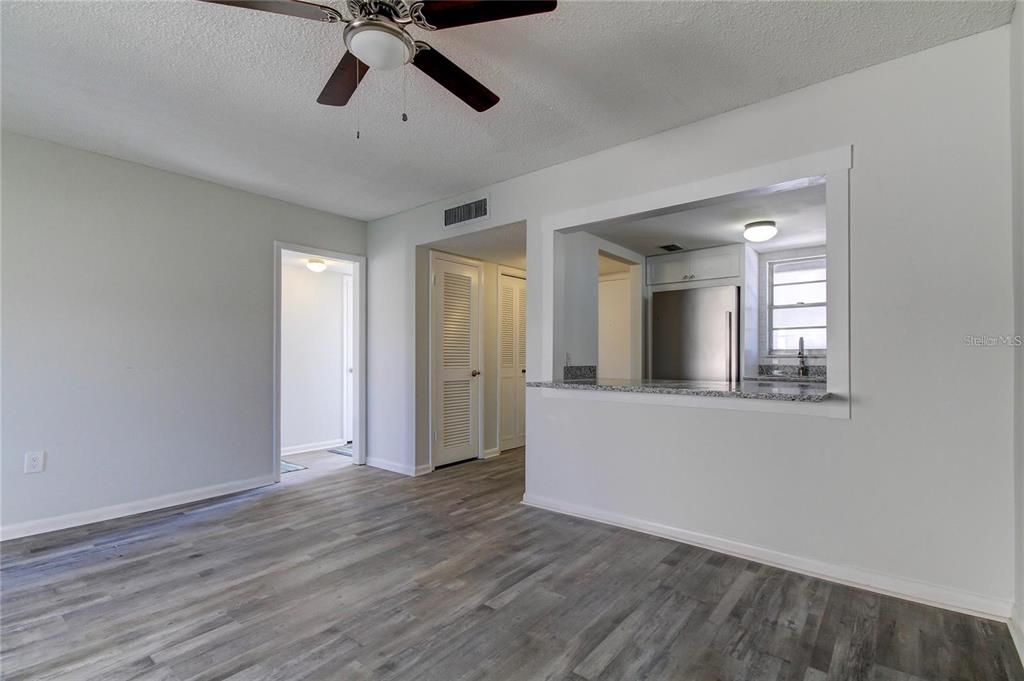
{"x": 671, "y": 248}
{"x": 467, "y": 212}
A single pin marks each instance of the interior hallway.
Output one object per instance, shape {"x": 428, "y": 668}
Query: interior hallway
{"x": 359, "y": 573}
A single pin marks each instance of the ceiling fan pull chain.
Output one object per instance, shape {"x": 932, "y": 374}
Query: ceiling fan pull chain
{"x": 405, "y": 79}
{"x": 359, "y": 102}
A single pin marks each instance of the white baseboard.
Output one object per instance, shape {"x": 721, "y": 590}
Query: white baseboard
{"x": 900, "y": 587}
{"x": 393, "y": 466}
{"x": 396, "y": 467}
{"x": 312, "y": 447}
{"x": 63, "y": 522}
{"x": 491, "y": 453}
{"x": 1016, "y": 625}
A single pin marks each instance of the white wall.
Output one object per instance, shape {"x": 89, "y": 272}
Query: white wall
{"x": 576, "y": 301}
{"x": 614, "y": 331}
{"x": 137, "y": 332}
{"x": 312, "y": 371}
{"x": 918, "y": 484}
{"x": 1017, "y": 94}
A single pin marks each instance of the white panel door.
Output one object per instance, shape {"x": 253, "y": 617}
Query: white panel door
{"x": 456, "y": 328}
{"x": 512, "y": 361}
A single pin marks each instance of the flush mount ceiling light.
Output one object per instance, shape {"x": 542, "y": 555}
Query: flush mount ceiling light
{"x": 759, "y": 231}
{"x": 316, "y": 265}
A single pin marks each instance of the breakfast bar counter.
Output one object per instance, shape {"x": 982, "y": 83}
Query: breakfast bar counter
{"x": 756, "y": 389}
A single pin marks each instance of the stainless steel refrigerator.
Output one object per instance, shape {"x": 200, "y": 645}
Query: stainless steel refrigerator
{"x": 695, "y": 334}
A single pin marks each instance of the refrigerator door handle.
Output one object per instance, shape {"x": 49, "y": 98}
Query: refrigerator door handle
{"x": 728, "y": 355}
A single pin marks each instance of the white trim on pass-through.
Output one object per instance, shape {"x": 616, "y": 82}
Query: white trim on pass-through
{"x": 833, "y": 165}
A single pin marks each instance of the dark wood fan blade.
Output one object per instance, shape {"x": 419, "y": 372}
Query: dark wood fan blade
{"x": 343, "y": 82}
{"x": 292, "y": 8}
{"x": 449, "y": 13}
{"x": 451, "y": 77}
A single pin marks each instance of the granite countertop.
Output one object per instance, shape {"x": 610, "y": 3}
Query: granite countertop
{"x": 785, "y": 391}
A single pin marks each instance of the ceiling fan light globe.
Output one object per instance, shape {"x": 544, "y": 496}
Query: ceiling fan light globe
{"x": 380, "y": 49}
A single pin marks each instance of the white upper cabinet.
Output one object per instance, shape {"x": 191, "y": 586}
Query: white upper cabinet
{"x": 721, "y": 262}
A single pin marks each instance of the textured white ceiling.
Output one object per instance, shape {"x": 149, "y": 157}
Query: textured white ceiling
{"x": 229, "y": 95}
{"x": 799, "y": 215}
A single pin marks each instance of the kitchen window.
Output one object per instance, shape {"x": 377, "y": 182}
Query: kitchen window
{"x": 797, "y": 306}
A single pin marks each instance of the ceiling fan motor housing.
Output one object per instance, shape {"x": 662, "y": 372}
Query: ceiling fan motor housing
{"x": 396, "y": 10}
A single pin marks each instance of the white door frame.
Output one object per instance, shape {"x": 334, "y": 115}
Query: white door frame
{"x": 348, "y": 357}
{"x": 518, "y": 274}
{"x": 358, "y": 351}
{"x": 432, "y": 410}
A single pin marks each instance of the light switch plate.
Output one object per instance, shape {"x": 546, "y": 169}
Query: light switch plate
{"x": 35, "y": 462}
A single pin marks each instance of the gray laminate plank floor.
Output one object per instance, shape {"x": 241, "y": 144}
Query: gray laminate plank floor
{"x": 348, "y": 572}
{"x": 317, "y": 463}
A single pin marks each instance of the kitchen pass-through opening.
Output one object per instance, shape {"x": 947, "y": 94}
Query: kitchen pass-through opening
{"x": 741, "y": 296}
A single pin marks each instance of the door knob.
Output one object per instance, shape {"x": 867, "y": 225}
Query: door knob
{"x": 524, "y": 371}
{"x": 474, "y": 373}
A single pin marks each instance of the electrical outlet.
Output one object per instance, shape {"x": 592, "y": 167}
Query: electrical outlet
{"x": 35, "y": 462}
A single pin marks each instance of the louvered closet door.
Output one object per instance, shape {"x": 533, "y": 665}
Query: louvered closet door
{"x": 456, "y": 406}
{"x": 512, "y": 361}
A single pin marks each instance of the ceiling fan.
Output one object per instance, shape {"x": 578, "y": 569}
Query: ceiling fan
{"x": 377, "y": 38}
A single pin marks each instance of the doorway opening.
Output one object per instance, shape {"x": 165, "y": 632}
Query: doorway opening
{"x": 319, "y": 393}
{"x": 620, "y": 300}
{"x": 477, "y": 350}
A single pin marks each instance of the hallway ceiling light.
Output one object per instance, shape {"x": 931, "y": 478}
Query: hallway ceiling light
{"x": 762, "y": 230}
{"x": 316, "y": 265}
